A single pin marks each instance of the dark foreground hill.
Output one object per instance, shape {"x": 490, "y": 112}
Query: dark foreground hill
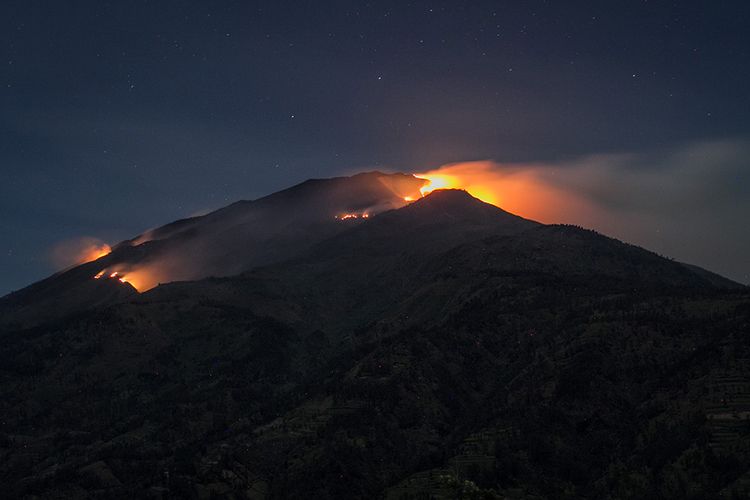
{"x": 446, "y": 349}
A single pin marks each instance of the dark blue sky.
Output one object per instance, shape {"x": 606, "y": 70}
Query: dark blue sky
{"x": 119, "y": 116}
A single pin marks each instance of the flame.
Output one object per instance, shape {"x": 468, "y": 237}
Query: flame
{"x": 97, "y": 252}
{"x": 523, "y": 189}
{"x": 138, "y": 279}
{"x": 144, "y": 277}
{"x": 352, "y": 216}
{"x": 76, "y": 251}
{"x": 436, "y": 180}
{"x": 451, "y": 177}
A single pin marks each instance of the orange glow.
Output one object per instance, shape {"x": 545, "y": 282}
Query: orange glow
{"x": 140, "y": 279}
{"x": 533, "y": 191}
{"x": 526, "y": 190}
{"x": 477, "y": 182}
{"x": 98, "y": 252}
{"x": 352, "y": 216}
{"x": 146, "y": 277}
{"x": 438, "y": 181}
{"x": 76, "y": 251}
{"x": 403, "y": 187}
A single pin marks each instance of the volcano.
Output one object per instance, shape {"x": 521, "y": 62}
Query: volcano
{"x": 226, "y": 242}
{"x": 351, "y": 338}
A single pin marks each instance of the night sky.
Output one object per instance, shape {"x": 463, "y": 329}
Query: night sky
{"x": 121, "y": 116}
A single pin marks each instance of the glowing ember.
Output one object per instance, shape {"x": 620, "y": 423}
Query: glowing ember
{"x": 408, "y": 198}
{"x": 141, "y": 278}
{"x": 115, "y": 275}
{"x": 352, "y": 216}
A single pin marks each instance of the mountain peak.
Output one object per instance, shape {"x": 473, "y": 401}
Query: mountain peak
{"x": 460, "y": 205}
{"x": 240, "y": 236}
{"x": 378, "y": 212}
{"x": 450, "y": 194}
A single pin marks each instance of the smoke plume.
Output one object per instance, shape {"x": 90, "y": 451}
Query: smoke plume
{"x": 76, "y": 251}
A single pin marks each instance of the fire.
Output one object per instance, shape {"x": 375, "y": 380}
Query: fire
{"x": 524, "y": 189}
{"x": 97, "y": 252}
{"x": 114, "y": 275}
{"x": 146, "y": 277}
{"x": 352, "y": 216}
{"x": 438, "y": 181}
{"x": 140, "y": 277}
{"x": 76, "y": 251}
{"x": 452, "y": 178}
{"x": 122, "y": 278}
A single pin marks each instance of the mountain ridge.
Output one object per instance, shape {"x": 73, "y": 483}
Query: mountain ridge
{"x": 439, "y": 346}
{"x": 443, "y": 218}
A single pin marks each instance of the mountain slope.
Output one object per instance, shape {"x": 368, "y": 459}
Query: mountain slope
{"x": 228, "y": 241}
{"x": 430, "y": 248}
{"x": 442, "y": 342}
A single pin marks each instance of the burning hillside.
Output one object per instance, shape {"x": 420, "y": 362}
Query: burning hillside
{"x": 78, "y": 251}
{"x": 245, "y": 234}
{"x": 521, "y": 189}
{"x": 115, "y": 275}
{"x": 280, "y": 227}
{"x": 476, "y": 178}
{"x": 141, "y": 277}
{"x": 363, "y": 215}
{"x": 249, "y": 234}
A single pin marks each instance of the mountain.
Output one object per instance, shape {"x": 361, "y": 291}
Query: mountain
{"x": 228, "y": 241}
{"x": 443, "y": 348}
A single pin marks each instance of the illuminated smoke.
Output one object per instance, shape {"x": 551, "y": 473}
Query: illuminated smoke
{"x": 650, "y": 201}
{"x": 78, "y": 251}
{"x": 520, "y": 189}
{"x": 688, "y": 203}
